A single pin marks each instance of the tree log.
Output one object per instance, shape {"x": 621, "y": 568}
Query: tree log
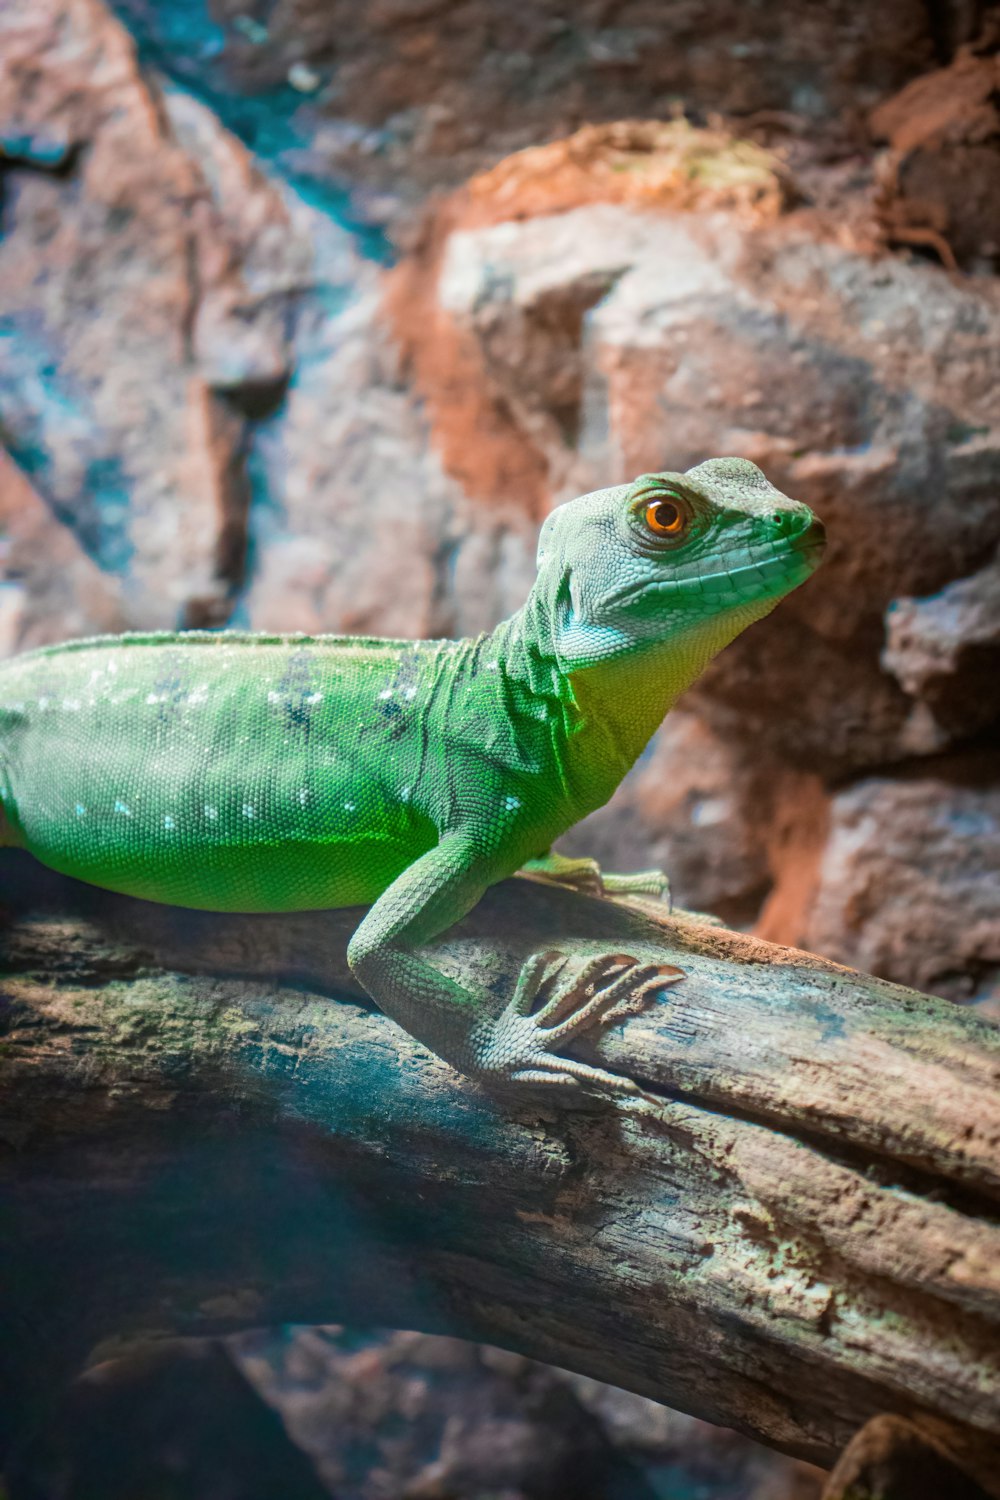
{"x": 205, "y": 1126}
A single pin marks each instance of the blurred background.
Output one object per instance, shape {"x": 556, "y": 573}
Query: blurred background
{"x": 309, "y": 313}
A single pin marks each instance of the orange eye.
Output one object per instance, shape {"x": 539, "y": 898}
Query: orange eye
{"x": 665, "y": 517}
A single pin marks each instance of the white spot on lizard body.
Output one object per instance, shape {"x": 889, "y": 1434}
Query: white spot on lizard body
{"x": 168, "y": 822}
{"x": 121, "y": 807}
{"x": 248, "y": 810}
{"x": 210, "y": 812}
{"x": 81, "y": 811}
{"x": 512, "y": 803}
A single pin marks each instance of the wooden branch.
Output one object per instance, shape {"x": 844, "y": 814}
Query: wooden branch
{"x": 205, "y": 1127}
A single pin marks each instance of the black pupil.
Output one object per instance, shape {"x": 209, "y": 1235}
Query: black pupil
{"x": 666, "y": 514}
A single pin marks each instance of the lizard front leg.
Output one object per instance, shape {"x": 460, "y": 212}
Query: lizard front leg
{"x": 554, "y": 998}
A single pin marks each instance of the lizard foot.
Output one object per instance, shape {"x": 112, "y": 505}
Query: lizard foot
{"x": 520, "y": 1045}
{"x": 640, "y": 883}
{"x": 587, "y": 876}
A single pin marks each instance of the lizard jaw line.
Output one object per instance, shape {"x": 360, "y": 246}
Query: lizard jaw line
{"x": 763, "y": 570}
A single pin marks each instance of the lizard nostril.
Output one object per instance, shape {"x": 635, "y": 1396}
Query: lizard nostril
{"x": 812, "y": 534}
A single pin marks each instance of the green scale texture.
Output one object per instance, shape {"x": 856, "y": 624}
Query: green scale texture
{"x": 251, "y": 773}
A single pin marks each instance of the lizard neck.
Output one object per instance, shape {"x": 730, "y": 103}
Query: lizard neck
{"x": 603, "y": 714}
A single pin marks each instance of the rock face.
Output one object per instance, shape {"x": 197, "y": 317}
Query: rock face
{"x": 941, "y": 174}
{"x": 917, "y": 856}
{"x": 50, "y": 586}
{"x": 400, "y": 96}
{"x": 143, "y": 291}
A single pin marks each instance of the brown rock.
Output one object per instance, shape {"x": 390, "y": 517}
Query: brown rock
{"x": 944, "y": 651}
{"x": 908, "y": 883}
{"x": 161, "y": 292}
{"x": 694, "y": 808}
{"x": 637, "y": 163}
{"x": 141, "y": 278}
{"x": 50, "y": 589}
{"x": 417, "y": 94}
{"x": 360, "y": 530}
{"x": 427, "y": 1417}
{"x": 941, "y": 175}
{"x": 501, "y": 361}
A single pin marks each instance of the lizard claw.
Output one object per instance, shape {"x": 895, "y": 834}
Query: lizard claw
{"x": 550, "y": 1006}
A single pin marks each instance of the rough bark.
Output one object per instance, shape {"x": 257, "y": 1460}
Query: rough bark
{"x": 205, "y": 1127}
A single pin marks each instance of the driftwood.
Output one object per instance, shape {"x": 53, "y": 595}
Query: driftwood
{"x": 205, "y": 1127}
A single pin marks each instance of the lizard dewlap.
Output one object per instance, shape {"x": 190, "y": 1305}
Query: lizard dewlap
{"x": 265, "y": 773}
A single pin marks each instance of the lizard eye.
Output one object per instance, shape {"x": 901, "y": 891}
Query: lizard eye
{"x": 666, "y": 516}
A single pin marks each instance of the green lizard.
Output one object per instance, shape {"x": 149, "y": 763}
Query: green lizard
{"x": 272, "y": 773}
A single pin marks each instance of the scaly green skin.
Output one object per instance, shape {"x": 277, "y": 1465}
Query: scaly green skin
{"x": 254, "y": 773}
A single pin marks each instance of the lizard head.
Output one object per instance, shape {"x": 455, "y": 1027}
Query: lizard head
{"x": 690, "y": 559}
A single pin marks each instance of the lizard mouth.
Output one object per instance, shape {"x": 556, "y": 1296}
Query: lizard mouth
{"x": 778, "y": 565}
{"x": 788, "y": 568}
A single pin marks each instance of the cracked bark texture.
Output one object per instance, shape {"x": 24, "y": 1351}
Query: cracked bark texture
{"x": 207, "y": 1128}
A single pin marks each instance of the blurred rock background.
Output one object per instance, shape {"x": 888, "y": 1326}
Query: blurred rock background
{"x": 310, "y": 311}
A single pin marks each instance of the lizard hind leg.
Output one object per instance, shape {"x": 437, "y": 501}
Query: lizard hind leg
{"x": 587, "y": 876}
